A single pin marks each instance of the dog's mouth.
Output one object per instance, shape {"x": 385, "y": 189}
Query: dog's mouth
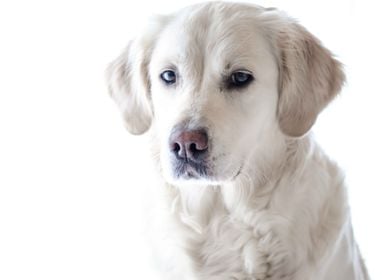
{"x": 190, "y": 170}
{"x": 202, "y": 171}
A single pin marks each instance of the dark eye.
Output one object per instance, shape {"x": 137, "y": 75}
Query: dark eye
{"x": 240, "y": 79}
{"x": 168, "y": 77}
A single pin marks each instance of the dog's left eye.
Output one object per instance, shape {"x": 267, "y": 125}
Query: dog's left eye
{"x": 240, "y": 78}
{"x": 169, "y": 77}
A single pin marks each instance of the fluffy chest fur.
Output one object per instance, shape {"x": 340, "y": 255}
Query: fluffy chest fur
{"x": 281, "y": 227}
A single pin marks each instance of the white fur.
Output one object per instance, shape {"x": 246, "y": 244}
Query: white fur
{"x": 274, "y": 206}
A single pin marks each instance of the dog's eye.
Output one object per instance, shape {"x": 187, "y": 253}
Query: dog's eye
{"x": 169, "y": 77}
{"x": 240, "y": 79}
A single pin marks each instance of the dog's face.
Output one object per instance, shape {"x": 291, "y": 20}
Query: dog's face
{"x": 214, "y": 93}
{"x": 220, "y": 83}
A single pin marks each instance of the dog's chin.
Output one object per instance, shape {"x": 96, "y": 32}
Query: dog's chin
{"x": 185, "y": 173}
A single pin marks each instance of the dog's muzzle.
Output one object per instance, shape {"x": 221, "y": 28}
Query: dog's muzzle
{"x": 189, "y": 151}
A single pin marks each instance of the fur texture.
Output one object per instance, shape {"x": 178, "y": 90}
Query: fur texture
{"x": 271, "y": 205}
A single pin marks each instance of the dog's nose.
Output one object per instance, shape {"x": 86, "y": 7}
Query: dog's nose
{"x": 189, "y": 145}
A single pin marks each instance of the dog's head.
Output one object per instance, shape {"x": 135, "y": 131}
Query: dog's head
{"x": 222, "y": 85}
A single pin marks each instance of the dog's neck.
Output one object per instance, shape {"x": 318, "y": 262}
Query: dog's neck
{"x": 252, "y": 190}
{"x": 258, "y": 183}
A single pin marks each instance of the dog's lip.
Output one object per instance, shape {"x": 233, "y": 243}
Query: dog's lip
{"x": 191, "y": 170}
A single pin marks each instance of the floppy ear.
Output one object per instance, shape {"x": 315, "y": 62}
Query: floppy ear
{"x": 130, "y": 93}
{"x": 128, "y": 78}
{"x": 310, "y": 78}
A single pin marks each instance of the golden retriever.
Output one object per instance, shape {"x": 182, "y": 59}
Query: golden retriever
{"x": 228, "y": 93}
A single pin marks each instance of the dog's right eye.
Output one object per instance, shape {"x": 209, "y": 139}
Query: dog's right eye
{"x": 240, "y": 79}
{"x": 169, "y": 77}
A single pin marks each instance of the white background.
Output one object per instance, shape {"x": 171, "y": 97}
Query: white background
{"x": 70, "y": 205}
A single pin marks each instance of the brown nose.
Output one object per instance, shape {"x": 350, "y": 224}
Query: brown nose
{"x": 189, "y": 145}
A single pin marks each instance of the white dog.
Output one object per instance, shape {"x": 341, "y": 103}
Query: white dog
{"x": 229, "y": 93}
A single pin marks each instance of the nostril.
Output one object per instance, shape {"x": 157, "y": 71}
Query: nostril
{"x": 196, "y": 150}
{"x": 192, "y": 148}
{"x": 178, "y": 150}
{"x": 197, "y": 147}
{"x": 176, "y": 147}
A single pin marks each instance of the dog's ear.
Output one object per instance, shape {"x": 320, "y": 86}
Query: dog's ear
{"x": 128, "y": 86}
{"x": 310, "y": 77}
{"x": 128, "y": 78}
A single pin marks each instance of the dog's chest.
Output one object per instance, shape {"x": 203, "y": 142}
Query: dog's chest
{"x": 232, "y": 248}
{"x": 220, "y": 245}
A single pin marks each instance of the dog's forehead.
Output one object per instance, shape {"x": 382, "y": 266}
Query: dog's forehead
{"x": 209, "y": 32}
